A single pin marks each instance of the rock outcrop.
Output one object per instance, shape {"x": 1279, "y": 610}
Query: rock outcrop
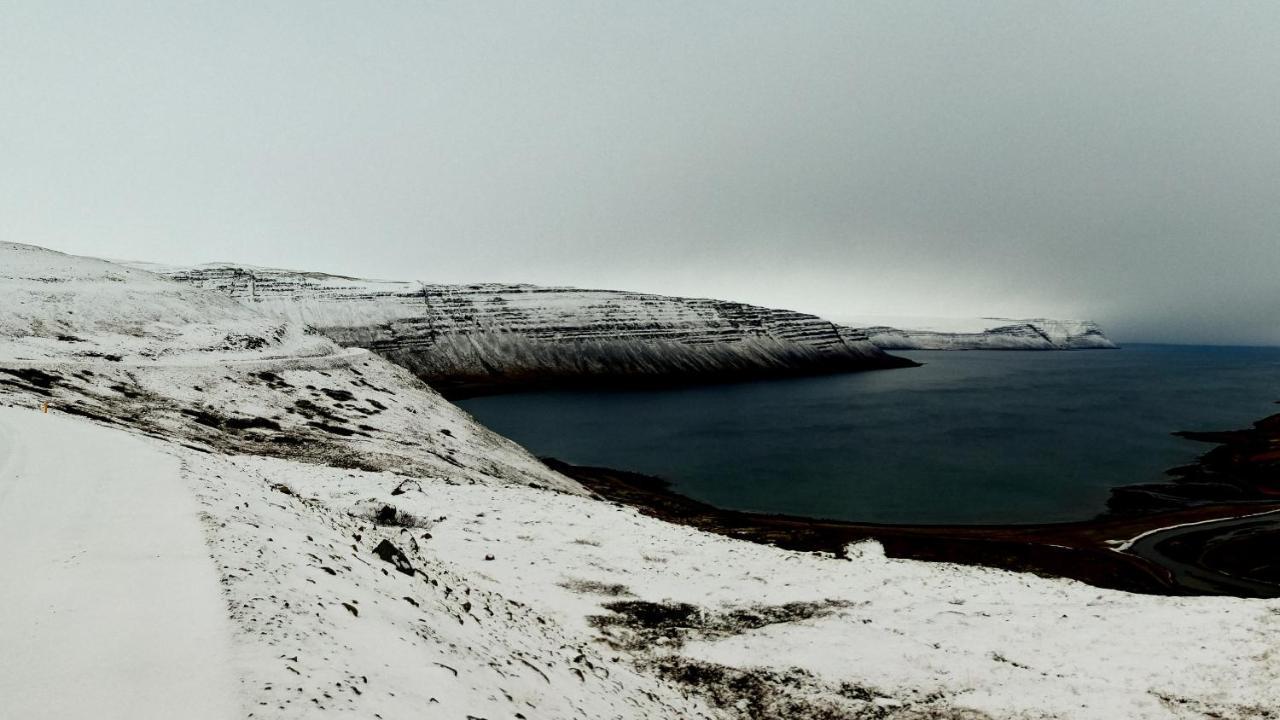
{"x": 469, "y": 339}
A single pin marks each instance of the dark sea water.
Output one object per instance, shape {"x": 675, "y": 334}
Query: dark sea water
{"x": 971, "y": 437}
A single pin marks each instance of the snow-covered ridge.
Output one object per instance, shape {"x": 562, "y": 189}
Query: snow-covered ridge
{"x": 982, "y": 334}
{"x": 133, "y": 349}
{"x": 63, "y": 306}
{"x": 486, "y": 335}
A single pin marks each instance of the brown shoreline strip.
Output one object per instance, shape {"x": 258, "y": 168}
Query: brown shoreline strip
{"x": 1077, "y": 550}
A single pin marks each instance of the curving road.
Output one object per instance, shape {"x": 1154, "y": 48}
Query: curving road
{"x": 1186, "y": 551}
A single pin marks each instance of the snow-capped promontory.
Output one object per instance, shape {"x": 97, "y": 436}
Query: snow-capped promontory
{"x": 913, "y": 333}
{"x": 469, "y": 338}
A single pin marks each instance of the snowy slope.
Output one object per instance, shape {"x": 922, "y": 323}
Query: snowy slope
{"x": 404, "y": 571}
{"x": 463, "y": 338}
{"x": 907, "y": 333}
{"x": 172, "y": 372}
{"x": 63, "y": 306}
{"x": 705, "y": 623}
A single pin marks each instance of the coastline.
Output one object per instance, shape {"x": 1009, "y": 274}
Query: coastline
{"x": 1194, "y": 543}
{"x": 497, "y": 381}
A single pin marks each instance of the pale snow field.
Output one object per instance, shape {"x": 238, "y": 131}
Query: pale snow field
{"x": 1009, "y": 644}
{"x": 111, "y": 604}
{"x": 112, "y": 601}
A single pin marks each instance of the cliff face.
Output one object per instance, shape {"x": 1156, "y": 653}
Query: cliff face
{"x": 466, "y": 339}
{"x": 1005, "y": 334}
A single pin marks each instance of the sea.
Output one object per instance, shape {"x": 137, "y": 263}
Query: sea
{"x": 970, "y": 437}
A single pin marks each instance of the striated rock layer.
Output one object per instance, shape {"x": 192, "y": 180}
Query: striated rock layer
{"x": 468, "y": 339}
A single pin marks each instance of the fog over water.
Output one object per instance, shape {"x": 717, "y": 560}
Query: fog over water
{"x": 1118, "y": 161}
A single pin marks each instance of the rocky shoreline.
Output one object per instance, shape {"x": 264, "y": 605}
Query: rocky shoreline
{"x": 1208, "y": 531}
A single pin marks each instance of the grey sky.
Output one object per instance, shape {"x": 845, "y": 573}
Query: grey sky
{"x": 1111, "y": 160}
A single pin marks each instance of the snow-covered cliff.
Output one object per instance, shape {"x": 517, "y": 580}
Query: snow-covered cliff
{"x": 468, "y": 338}
{"x": 983, "y": 334}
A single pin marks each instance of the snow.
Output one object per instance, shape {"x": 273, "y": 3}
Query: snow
{"x": 59, "y": 307}
{"x": 495, "y": 333}
{"x": 1124, "y": 545}
{"x": 325, "y": 403}
{"x": 925, "y": 635}
{"x": 112, "y": 607}
{"x": 223, "y": 564}
{"x": 324, "y": 625}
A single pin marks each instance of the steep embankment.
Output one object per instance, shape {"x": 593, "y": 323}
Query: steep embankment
{"x": 465, "y": 339}
{"x": 989, "y": 334}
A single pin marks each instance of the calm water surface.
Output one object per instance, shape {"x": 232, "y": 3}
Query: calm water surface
{"x": 971, "y": 437}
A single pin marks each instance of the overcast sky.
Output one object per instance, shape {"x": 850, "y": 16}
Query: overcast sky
{"x": 1114, "y": 160}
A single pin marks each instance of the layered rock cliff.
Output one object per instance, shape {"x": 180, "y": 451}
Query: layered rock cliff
{"x": 465, "y": 339}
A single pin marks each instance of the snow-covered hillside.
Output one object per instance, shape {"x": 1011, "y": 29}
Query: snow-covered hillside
{"x": 465, "y": 338}
{"x": 981, "y": 333}
{"x": 59, "y": 306}
{"x": 380, "y": 555}
{"x": 129, "y": 348}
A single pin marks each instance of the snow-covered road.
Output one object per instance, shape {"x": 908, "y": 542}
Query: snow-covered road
{"x": 109, "y": 601}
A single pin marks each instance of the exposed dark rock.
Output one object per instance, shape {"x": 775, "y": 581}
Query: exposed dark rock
{"x": 391, "y": 554}
{"x": 406, "y": 485}
{"x": 37, "y": 378}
